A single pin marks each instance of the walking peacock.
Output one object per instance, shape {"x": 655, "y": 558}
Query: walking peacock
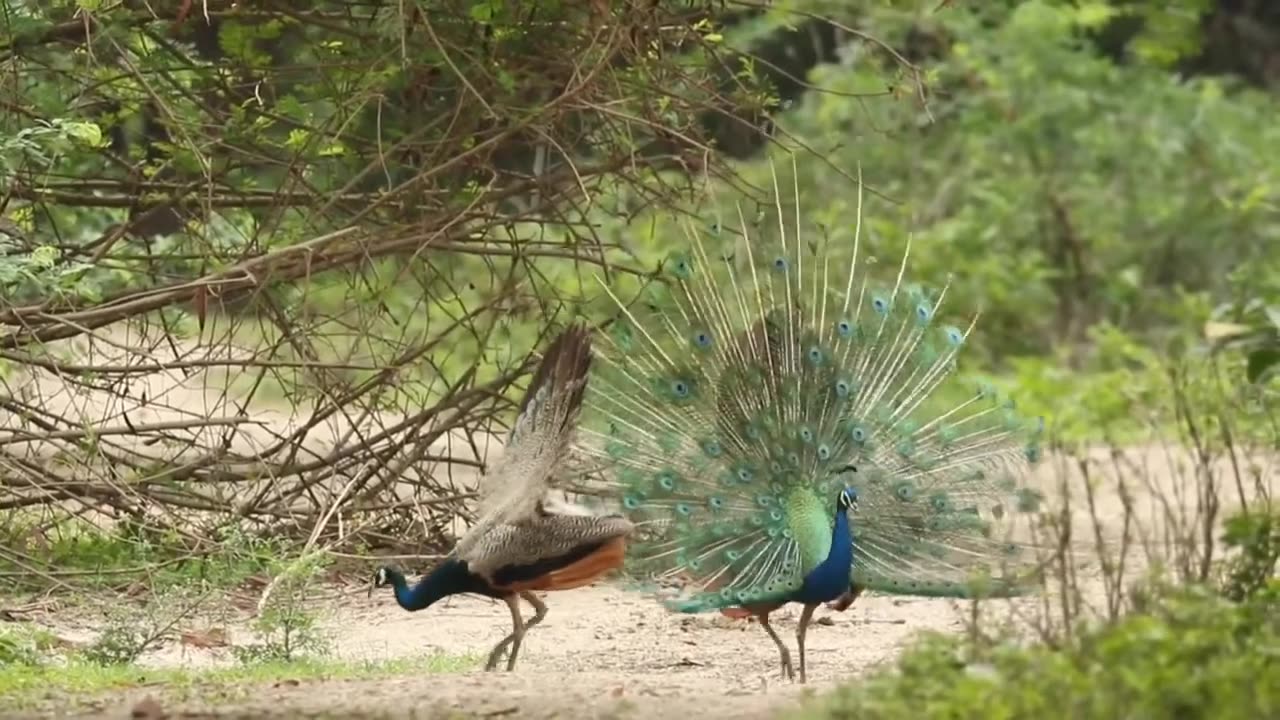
{"x": 783, "y": 430}
{"x": 520, "y": 542}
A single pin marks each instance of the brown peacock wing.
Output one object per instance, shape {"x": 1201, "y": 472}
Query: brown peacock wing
{"x": 539, "y": 440}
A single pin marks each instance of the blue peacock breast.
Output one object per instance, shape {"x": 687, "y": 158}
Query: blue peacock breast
{"x": 830, "y": 579}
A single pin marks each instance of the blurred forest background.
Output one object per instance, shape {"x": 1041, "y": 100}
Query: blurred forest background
{"x": 268, "y": 271}
{"x": 365, "y": 218}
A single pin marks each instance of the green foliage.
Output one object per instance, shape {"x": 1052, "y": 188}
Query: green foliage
{"x": 286, "y": 629}
{"x": 274, "y": 127}
{"x": 1255, "y": 538}
{"x": 239, "y": 148}
{"x": 27, "y": 686}
{"x": 1196, "y": 651}
{"x": 1054, "y": 188}
{"x": 129, "y": 630}
{"x": 24, "y": 645}
{"x": 121, "y": 642}
{"x": 106, "y": 558}
{"x": 1130, "y": 390}
{"x": 1252, "y": 328}
{"x": 39, "y": 269}
{"x": 1194, "y": 656}
{"x": 1170, "y": 29}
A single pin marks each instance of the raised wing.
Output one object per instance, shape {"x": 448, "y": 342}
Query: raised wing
{"x": 539, "y": 440}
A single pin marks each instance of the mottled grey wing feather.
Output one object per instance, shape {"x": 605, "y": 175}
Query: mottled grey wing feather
{"x": 538, "y": 538}
{"x": 539, "y": 440}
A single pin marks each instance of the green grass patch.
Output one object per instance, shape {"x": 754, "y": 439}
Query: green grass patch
{"x": 89, "y": 556}
{"x": 24, "y": 685}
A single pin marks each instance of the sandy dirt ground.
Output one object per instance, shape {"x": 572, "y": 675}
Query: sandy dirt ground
{"x": 601, "y": 652}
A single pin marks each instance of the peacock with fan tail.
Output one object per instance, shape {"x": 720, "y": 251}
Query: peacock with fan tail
{"x": 523, "y": 539}
{"x": 781, "y": 430}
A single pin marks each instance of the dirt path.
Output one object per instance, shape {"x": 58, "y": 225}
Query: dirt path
{"x": 601, "y": 652}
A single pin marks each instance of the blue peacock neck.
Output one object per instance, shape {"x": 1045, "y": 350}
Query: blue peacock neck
{"x": 450, "y": 577}
{"x": 830, "y": 579}
{"x": 841, "y": 553}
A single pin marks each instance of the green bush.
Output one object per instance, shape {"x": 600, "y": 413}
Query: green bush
{"x": 1255, "y": 538}
{"x": 1196, "y": 651}
{"x": 24, "y": 645}
{"x": 1057, "y": 189}
{"x": 1194, "y": 655}
{"x": 1252, "y": 327}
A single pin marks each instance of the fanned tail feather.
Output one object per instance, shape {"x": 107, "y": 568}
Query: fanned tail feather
{"x": 731, "y": 408}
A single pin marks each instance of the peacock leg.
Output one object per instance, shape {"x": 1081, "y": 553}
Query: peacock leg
{"x": 785, "y": 654}
{"x": 539, "y": 612}
{"x": 539, "y": 608}
{"x": 805, "y": 617}
{"x": 517, "y": 634}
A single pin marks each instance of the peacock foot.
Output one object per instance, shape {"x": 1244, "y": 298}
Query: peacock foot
{"x": 496, "y": 656}
{"x": 788, "y": 672}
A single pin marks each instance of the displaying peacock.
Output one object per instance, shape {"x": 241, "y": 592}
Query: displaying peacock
{"x": 785, "y": 430}
{"x": 523, "y": 540}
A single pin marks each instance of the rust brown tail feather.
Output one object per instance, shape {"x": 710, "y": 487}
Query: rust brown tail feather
{"x": 580, "y": 572}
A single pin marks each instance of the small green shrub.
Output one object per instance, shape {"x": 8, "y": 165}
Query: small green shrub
{"x": 118, "y": 644}
{"x": 1251, "y": 570}
{"x": 24, "y": 645}
{"x": 131, "y": 630}
{"x": 286, "y": 630}
{"x": 1251, "y": 327}
{"x": 131, "y": 551}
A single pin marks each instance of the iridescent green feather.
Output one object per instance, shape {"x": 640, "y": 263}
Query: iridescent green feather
{"x": 733, "y": 407}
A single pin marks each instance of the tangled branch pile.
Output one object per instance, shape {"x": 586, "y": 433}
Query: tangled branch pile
{"x": 274, "y": 265}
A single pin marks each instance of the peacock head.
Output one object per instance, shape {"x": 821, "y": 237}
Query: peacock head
{"x": 848, "y": 497}
{"x": 386, "y": 575}
{"x": 847, "y": 500}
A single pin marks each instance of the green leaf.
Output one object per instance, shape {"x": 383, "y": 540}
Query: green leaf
{"x": 1095, "y": 14}
{"x": 1273, "y": 314}
{"x": 1262, "y": 364}
{"x": 507, "y": 82}
{"x": 298, "y": 137}
{"x": 85, "y": 132}
{"x": 45, "y": 256}
{"x": 482, "y": 11}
